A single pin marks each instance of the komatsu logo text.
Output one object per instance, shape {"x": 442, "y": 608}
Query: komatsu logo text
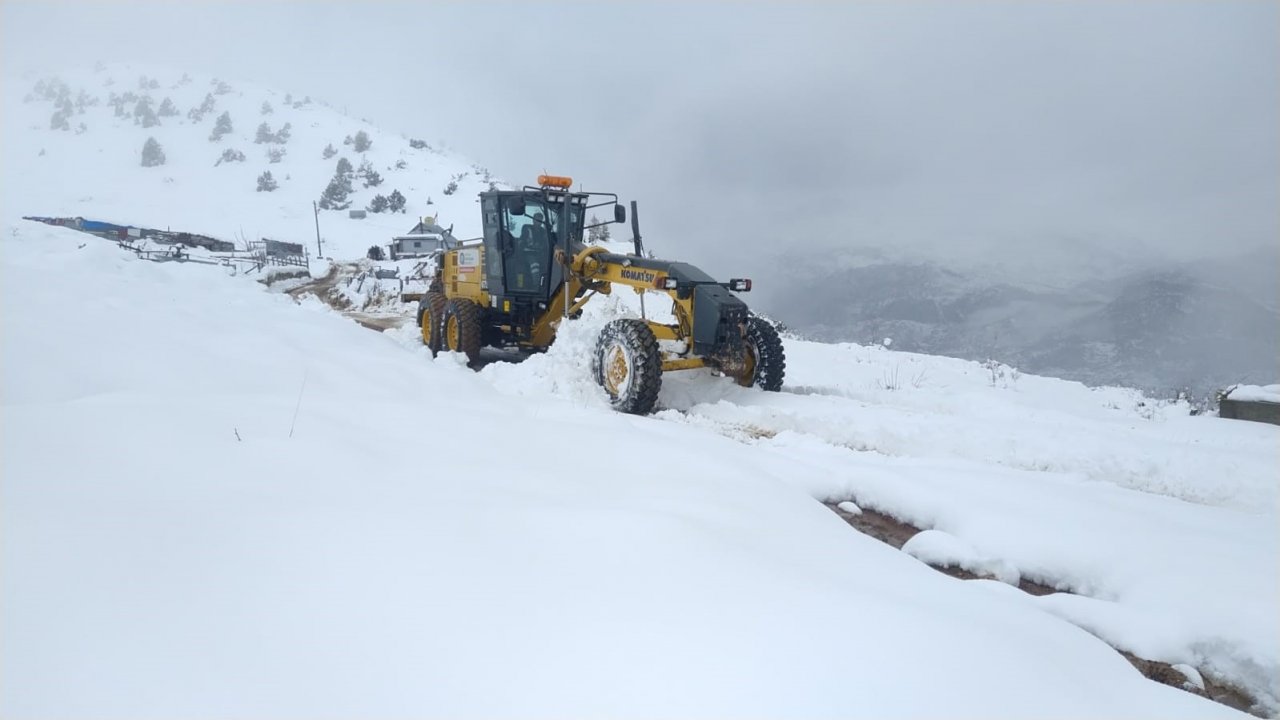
{"x": 638, "y": 275}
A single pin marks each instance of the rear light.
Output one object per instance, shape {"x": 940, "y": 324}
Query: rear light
{"x": 740, "y": 285}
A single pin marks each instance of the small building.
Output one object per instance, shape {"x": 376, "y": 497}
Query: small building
{"x": 416, "y": 245}
{"x": 1251, "y": 402}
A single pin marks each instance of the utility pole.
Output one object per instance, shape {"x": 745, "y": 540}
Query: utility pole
{"x": 316, "y": 210}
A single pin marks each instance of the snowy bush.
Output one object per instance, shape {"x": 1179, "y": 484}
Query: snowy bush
{"x": 375, "y": 251}
{"x": 329, "y": 151}
{"x": 275, "y": 153}
{"x": 230, "y": 155}
{"x": 152, "y": 153}
{"x": 221, "y": 127}
{"x": 400, "y": 164}
{"x": 361, "y": 142}
{"x": 266, "y": 108}
{"x": 418, "y": 144}
{"x": 451, "y": 188}
{"x": 220, "y": 87}
{"x": 266, "y": 183}
{"x": 59, "y": 122}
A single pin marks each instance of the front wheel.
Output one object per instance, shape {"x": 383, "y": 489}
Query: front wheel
{"x": 766, "y": 362}
{"x": 461, "y": 329}
{"x": 627, "y": 365}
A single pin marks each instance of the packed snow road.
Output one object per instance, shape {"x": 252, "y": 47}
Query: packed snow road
{"x": 218, "y": 503}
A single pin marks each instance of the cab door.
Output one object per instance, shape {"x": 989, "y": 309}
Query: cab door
{"x": 526, "y": 241}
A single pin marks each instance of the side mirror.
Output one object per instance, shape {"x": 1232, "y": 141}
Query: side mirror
{"x": 515, "y": 206}
{"x": 619, "y": 214}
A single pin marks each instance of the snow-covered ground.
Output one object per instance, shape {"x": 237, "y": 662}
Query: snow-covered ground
{"x": 215, "y": 501}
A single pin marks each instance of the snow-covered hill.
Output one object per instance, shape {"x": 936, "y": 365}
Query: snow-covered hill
{"x": 94, "y": 169}
{"x": 215, "y": 501}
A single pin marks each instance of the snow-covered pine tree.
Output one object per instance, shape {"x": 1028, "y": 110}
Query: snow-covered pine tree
{"x": 282, "y": 135}
{"x": 144, "y": 115}
{"x": 167, "y": 108}
{"x": 395, "y": 202}
{"x": 378, "y": 204}
{"x": 152, "y": 153}
{"x": 266, "y": 108}
{"x": 329, "y": 151}
{"x": 266, "y": 183}
{"x": 264, "y": 134}
{"x": 221, "y": 127}
{"x": 361, "y": 142}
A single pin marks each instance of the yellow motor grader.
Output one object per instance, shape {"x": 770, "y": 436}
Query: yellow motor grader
{"x": 531, "y": 271}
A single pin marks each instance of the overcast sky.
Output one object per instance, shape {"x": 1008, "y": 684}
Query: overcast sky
{"x": 973, "y": 127}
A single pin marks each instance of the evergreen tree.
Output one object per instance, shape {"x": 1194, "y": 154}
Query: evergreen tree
{"x": 264, "y": 134}
{"x": 221, "y": 127}
{"x": 379, "y": 204}
{"x": 275, "y": 154}
{"x": 451, "y": 188}
{"x": 335, "y": 196}
{"x": 375, "y": 251}
{"x": 167, "y": 109}
{"x": 371, "y": 176}
{"x": 282, "y": 135}
{"x": 361, "y": 142}
{"x": 59, "y": 121}
{"x": 395, "y": 203}
{"x": 266, "y": 108}
{"x": 329, "y": 151}
{"x": 144, "y": 115}
{"x": 418, "y": 144}
{"x": 266, "y": 183}
{"x": 152, "y": 153}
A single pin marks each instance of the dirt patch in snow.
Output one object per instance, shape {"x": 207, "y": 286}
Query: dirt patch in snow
{"x": 895, "y": 533}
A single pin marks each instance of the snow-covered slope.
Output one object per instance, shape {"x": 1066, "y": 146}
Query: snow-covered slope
{"x": 216, "y": 502}
{"x": 219, "y": 503}
{"x": 96, "y": 172}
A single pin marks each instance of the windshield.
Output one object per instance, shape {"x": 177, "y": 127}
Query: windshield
{"x": 543, "y": 217}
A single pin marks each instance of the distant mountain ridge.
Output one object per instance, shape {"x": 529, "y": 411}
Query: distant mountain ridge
{"x": 1163, "y": 329}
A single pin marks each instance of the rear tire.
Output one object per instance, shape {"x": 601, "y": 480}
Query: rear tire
{"x": 766, "y": 349}
{"x": 461, "y": 328}
{"x": 626, "y": 363}
{"x": 431, "y": 319}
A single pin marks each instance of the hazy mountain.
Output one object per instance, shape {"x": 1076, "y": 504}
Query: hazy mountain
{"x": 1165, "y": 328}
